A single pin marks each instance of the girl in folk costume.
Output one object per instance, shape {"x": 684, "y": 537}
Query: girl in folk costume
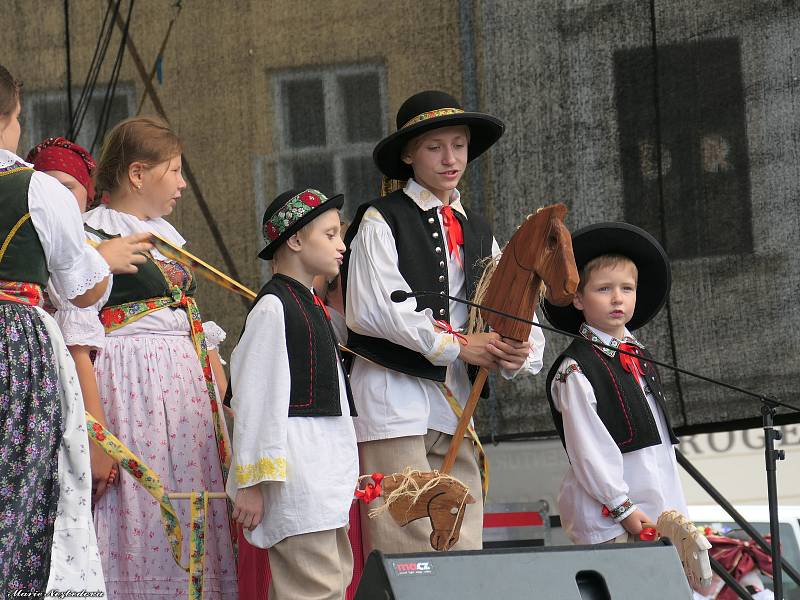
{"x": 155, "y": 376}
{"x": 413, "y": 378}
{"x": 46, "y": 533}
{"x": 73, "y": 166}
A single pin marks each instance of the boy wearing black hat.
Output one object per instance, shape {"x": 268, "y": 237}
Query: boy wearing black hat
{"x": 410, "y": 378}
{"x": 295, "y": 463}
{"x": 609, "y": 407}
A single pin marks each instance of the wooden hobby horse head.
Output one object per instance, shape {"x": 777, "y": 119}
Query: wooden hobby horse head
{"x": 539, "y": 251}
{"x": 415, "y": 495}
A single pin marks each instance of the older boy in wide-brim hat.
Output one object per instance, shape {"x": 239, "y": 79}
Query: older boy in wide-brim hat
{"x": 609, "y": 408}
{"x": 295, "y": 463}
{"x": 410, "y": 378}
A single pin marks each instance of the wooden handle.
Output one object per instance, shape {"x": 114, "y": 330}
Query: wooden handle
{"x": 463, "y": 422}
{"x": 187, "y": 495}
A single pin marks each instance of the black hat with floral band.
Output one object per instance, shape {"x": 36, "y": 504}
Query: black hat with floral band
{"x": 290, "y": 212}
{"x": 651, "y": 260}
{"x": 431, "y": 110}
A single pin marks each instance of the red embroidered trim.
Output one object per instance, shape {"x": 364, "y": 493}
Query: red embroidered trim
{"x": 310, "y": 353}
{"x": 21, "y": 292}
{"x": 619, "y": 395}
{"x": 616, "y": 512}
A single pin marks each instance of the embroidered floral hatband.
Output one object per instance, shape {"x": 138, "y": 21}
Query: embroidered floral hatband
{"x": 295, "y": 209}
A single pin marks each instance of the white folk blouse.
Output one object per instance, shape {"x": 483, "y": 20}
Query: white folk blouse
{"x": 306, "y": 467}
{"x": 599, "y": 474}
{"x": 389, "y": 403}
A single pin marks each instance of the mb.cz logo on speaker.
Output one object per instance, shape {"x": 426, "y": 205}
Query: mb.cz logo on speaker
{"x": 413, "y": 568}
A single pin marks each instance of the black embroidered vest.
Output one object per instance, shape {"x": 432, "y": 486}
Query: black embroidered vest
{"x": 621, "y": 404}
{"x": 422, "y": 254}
{"x": 313, "y": 354}
{"x": 21, "y": 253}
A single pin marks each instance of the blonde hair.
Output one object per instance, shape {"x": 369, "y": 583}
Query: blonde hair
{"x": 148, "y": 140}
{"x": 605, "y": 261}
{"x": 411, "y": 145}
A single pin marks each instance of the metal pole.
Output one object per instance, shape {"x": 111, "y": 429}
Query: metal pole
{"x": 771, "y": 456}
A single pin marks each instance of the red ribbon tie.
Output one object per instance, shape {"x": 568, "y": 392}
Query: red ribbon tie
{"x": 447, "y": 328}
{"x": 453, "y": 232}
{"x": 648, "y": 534}
{"x": 371, "y": 490}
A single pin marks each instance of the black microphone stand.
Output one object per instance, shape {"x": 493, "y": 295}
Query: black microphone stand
{"x": 769, "y": 407}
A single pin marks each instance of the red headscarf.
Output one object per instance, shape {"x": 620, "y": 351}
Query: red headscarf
{"x": 59, "y": 154}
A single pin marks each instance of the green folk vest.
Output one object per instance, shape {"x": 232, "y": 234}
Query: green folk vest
{"x": 21, "y": 254}
{"x": 150, "y": 281}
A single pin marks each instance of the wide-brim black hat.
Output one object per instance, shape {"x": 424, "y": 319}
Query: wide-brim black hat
{"x": 290, "y": 212}
{"x": 431, "y": 110}
{"x": 655, "y": 275}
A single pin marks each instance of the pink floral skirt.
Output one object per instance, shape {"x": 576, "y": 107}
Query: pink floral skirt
{"x": 156, "y": 402}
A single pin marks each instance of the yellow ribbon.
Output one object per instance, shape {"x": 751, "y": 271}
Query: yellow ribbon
{"x": 150, "y": 481}
{"x": 145, "y": 476}
{"x": 197, "y": 557}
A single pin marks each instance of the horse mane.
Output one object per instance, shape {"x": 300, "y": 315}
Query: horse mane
{"x": 475, "y": 322}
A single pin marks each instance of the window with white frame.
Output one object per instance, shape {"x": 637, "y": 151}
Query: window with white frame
{"x": 327, "y": 122}
{"x": 46, "y": 115}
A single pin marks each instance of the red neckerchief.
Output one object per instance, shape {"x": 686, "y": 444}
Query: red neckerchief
{"x": 318, "y": 301}
{"x": 629, "y": 363}
{"x": 453, "y": 231}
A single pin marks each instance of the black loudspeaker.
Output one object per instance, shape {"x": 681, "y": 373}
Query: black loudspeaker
{"x": 605, "y": 572}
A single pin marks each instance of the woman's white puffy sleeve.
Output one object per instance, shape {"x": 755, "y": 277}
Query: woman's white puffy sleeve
{"x": 80, "y": 326}
{"x": 74, "y": 265}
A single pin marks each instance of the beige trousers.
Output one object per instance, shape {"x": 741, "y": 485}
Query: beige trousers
{"x": 311, "y": 566}
{"x": 425, "y": 453}
{"x": 624, "y": 538}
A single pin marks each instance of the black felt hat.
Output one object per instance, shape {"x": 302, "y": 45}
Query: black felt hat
{"x": 431, "y": 110}
{"x": 290, "y": 212}
{"x": 655, "y": 275}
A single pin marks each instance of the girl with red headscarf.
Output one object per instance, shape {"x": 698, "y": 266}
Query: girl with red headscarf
{"x": 68, "y": 162}
{"x": 73, "y": 166}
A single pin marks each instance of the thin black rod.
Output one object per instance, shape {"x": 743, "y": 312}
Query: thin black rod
{"x": 575, "y": 336}
{"x": 729, "y": 579}
{"x": 111, "y": 89}
{"x": 87, "y": 93}
{"x": 68, "y": 52}
{"x": 662, "y": 209}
